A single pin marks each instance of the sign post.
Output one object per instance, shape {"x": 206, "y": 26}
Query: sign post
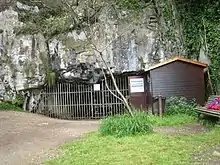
{"x": 137, "y": 85}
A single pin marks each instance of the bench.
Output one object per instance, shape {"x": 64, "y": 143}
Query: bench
{"x": 210, "y": 112}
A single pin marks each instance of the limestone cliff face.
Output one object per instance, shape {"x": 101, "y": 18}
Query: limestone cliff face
{"x": 20, "y": 57}
{"x": 126, "y": 47}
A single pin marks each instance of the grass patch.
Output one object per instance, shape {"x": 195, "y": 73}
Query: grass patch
{"x": 172, "y": 120}
{"x": 154, "y": 148}
{"x": 9, "y": 106}
{"x": 125, "y": 125}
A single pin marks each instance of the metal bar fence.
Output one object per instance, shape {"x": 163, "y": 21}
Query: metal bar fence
{"x": 77, "y": 101}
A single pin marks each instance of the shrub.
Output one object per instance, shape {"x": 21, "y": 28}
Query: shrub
{"x": 18, "y": 101}
{"x": 209, "y": 121}
{"x": 9, "y": 106}
{"x": 180, "y": 105}
{"x": 15, "y": 104}
{"x": 126, "y": 125}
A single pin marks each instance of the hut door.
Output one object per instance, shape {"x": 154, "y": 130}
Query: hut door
{"x": 138, "y": 92}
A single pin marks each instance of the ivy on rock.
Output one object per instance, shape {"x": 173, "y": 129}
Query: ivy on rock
{"x": 202, "y": 19}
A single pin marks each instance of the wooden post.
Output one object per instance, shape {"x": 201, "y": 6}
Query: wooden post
{"x": 160, "y": 106}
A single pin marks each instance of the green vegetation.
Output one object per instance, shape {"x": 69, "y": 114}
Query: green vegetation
{"x": 192, "y": 27}
{"x": 10, "y": 106}
{"x": 179, "y": 111}
{"x": 14, "y": 105}
{"x": 209, "y": 121}
{"x": 180, "y": 105}
{"x": 155, "y": 148}
{"x": 124, "y": 125}
{"x": 201, "y": 30}
{"x": 173, "y": 120}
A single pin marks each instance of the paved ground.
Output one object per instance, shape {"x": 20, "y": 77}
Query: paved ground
{"x": 28, "y": 139}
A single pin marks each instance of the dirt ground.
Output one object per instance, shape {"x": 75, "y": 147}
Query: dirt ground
{"x": 28, "y": 139}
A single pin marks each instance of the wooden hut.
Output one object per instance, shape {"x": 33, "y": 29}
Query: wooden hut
{"x": 175, "y": 77}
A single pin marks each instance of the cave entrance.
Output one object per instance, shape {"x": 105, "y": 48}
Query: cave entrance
{"x": 83, "y": 101}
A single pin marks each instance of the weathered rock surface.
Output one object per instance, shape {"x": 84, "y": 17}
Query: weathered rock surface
{"x": 126, "y": 47}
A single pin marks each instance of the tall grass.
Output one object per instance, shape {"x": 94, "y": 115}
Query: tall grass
{"x": 126, "y": 125}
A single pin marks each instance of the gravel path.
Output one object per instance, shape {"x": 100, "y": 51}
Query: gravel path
{"x": 28, "y": 139}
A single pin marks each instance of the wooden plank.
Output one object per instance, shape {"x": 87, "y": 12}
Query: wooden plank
{"x": 210, "y": 114}
{"x": 209, "y": 111}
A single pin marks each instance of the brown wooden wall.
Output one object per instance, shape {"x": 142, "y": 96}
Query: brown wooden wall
{"x": 179, "y": 79}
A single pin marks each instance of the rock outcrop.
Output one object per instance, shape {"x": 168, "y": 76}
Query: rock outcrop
{"x": 125, "y": 46}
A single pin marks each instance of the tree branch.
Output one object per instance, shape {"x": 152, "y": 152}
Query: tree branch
{"x": 106, "y": 83}
{"x": 116, "y": 86}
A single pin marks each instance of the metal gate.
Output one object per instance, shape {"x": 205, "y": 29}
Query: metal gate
{"x": 83, "y": 101}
